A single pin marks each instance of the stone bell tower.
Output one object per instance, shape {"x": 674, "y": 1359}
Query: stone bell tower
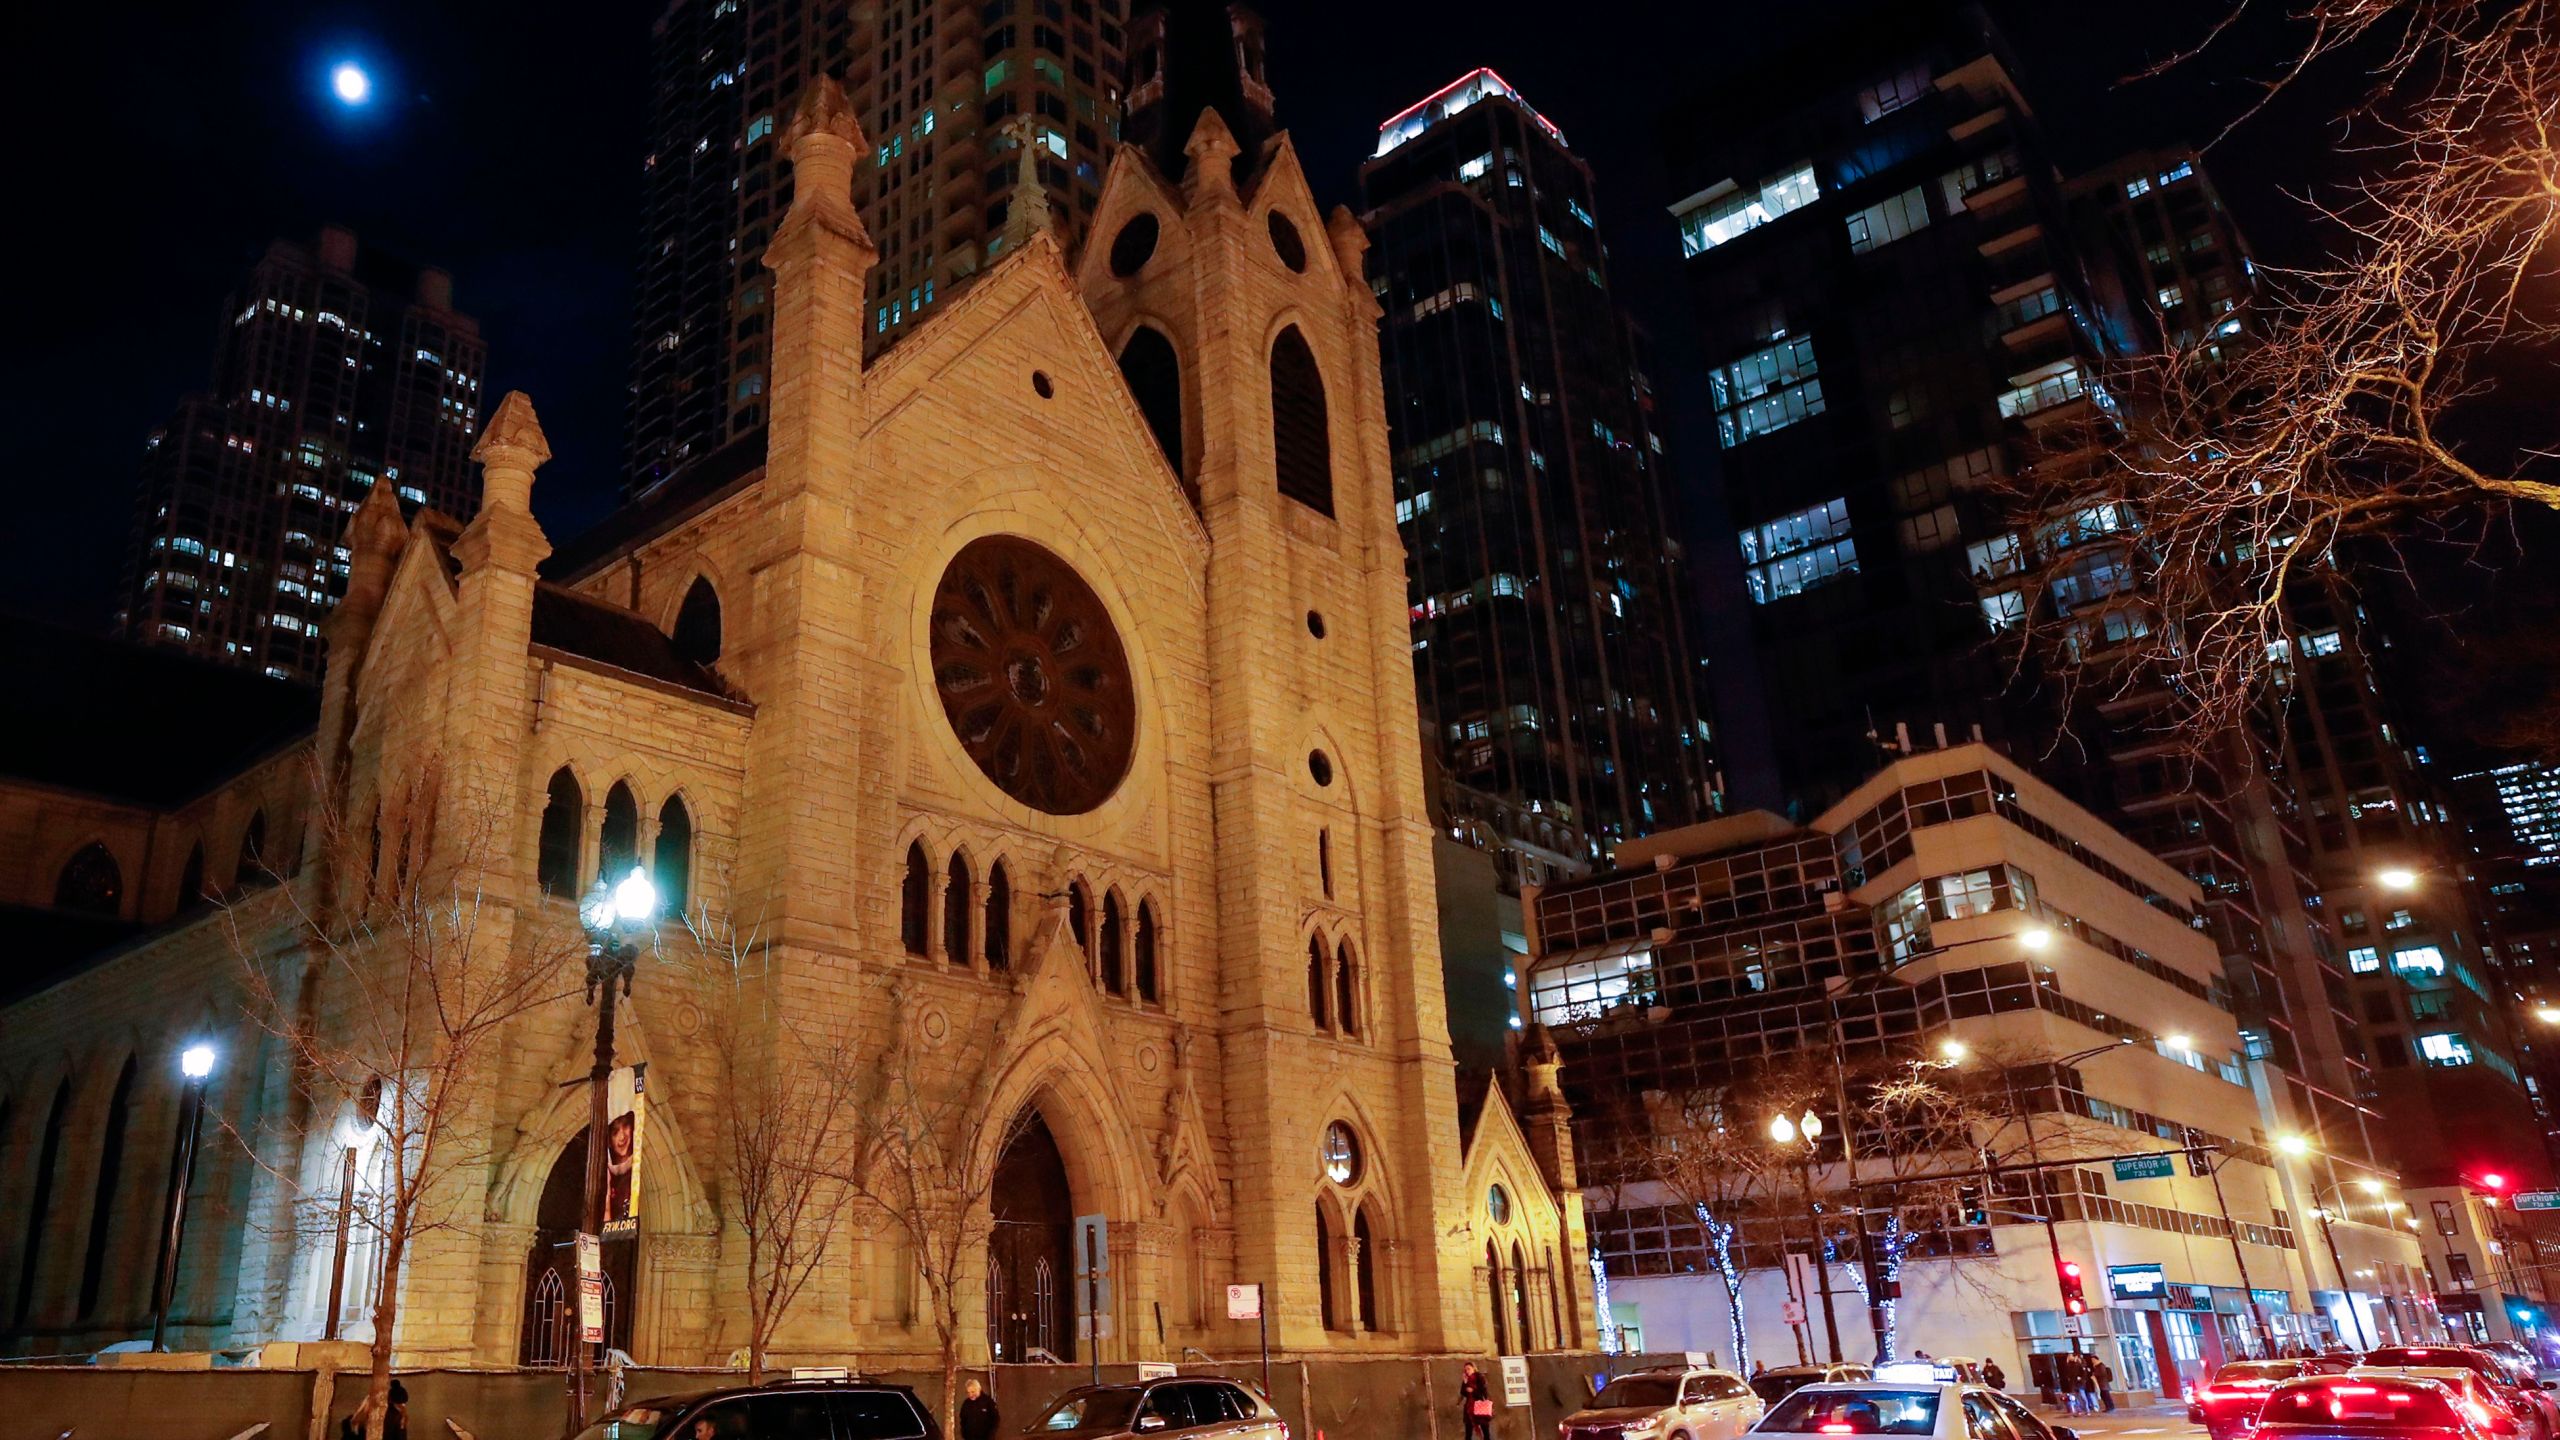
{"x": 1249, "y": 337}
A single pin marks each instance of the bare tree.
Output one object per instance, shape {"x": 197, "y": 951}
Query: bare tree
{"x": 1704, "y": 1149}
{"x": 788, "y": 1098}
{"x": 925, "y": 1157}
{"x": 400, "y": 975}
{"x": 2339, "y": 416}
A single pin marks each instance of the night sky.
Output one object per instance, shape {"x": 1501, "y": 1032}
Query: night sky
{"x": 159, "y": 152}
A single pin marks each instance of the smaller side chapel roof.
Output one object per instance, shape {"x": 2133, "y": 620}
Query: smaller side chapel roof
{"x": 597, "y": 630}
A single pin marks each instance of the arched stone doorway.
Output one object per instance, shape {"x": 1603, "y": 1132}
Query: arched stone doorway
{"x": 1030, "y": 1251}
{"x": 551, "y": 1268}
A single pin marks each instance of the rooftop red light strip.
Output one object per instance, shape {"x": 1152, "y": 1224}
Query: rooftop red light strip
{"x": 1427, "y": 101}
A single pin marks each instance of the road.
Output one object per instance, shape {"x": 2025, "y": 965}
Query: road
{"x": 2151, "y": 1422}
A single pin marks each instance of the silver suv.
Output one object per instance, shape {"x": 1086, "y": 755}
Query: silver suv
{"x": 1185, "y": 1408}
{"x": 1666, "y": 1404}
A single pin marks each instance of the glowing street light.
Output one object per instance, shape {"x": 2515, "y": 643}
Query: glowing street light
{"x": 350, "y": 84}
{"x": 2547, "y": 1014}
{"x": 2179, "y": 1043}
{"x": 613, "y": 917}
{"x": 1952, "y": 1051}
{"x": 2398, "y": 877}
{"x": 2035, "y": 937}
{"x": 196, "y": 1063}
{"x": 2293, "y": 1145}
{"x": 1782, "y": 1130}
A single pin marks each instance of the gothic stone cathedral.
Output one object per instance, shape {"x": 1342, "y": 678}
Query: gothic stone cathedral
{"x": 1037, "y": 704}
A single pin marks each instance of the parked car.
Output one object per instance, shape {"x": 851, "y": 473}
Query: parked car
{"x": 1774, "y": 1385}
{"x": 1671, "y": 1403}
{"x": 2357, "y": 1407}
{"x": 2227, "y": 1405}
{"x": 780, "y": 1410}
{"x": 2525, "y": 1396}
{"x": 1950, "y": 1410}
{"x": 1204, "y": 1406}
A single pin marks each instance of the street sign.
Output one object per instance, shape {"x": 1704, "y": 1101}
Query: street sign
{"x": 1792, "y": 1312}
{"x": 2075, "y": 1324}
{"x": 1515, "y": 1381}
{"x": 1155, "y": 1370}
{"x": 1244, "y": 1302}
{"x": 590, "y": 1290}
{"x": 1800, "y": 1284}
{"x": 2137, "y": 1282}
{"x": 2147, "y": 1167}
{"x": 2538, "y": 1200}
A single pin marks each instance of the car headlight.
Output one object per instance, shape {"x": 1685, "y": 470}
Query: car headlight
{"x": 1643, "y": 1429}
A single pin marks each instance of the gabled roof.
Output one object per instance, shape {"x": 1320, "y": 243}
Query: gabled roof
{"x": 688, "y": 492}
{"x": 593, "y": 629}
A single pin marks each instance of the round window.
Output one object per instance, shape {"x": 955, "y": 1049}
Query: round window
{"x": 1134, "y": 246}
{"x": 1032, "y": 676}
{"x": 1319, "y": 767}
{"x": 1341, "y": 1154}
{"x": 1286, "y": 244}
{"x": 1497, "y": 1203}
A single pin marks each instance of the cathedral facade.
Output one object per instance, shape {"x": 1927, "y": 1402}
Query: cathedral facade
{"x": 1036, "y": 701}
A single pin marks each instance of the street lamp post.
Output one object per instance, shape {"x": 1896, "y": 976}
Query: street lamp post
{"x": 2329, "y": 1238}
{"x": 1809, "y": 1127}
{"x": 196, "y": 1064}
{"x": 611, "y": 916}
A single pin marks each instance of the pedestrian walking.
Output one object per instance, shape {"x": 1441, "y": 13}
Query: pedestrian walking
{"x": 2106, "y": 1380}
{"x": 978, "y": 1417}
{"x": 2075, "y": 1383}
{"x": 1994, "y": 1376}
{"x": 1475, "y": 1398}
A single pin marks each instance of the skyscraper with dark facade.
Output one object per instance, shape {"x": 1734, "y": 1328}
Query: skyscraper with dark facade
{"x": 332, "y": 368}
{"x": 1558, "y": 689}
{"x": 934, "y": 86}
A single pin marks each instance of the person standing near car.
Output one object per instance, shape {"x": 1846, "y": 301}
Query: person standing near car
{"x": 2105, "y": 1379}
{"x": 978, "y": 1417}
{"x": 1475, "y": 1399}
{"x": 1994, "y": 1376}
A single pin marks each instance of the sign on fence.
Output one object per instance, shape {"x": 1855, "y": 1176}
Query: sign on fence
{"x": 1515, "y": 1381}
{"x": 1244, "y": 1302}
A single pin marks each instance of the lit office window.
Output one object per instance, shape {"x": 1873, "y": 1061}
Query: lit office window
{"x": 1714, "y": 221}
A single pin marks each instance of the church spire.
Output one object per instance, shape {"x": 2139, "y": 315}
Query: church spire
{"x": 1187, "y": 56}
{"x": 1026, "y": 210}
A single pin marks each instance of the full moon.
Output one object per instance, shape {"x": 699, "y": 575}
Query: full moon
{"x": 351, "y": 83}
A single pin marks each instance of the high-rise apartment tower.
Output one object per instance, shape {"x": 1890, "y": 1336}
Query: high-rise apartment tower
{"x": 332, "y": 368}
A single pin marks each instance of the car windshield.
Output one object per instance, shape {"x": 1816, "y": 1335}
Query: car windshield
{"x": 1629, "y": 1392}
{"x": 2257, "y": 1370}
{"x": 640, "y": 1422}
{"x": 2427, "y": 1357}
{"x": 1084, "y": 1410}
{"x": 2331, "y": 1403}
{"x": 1867, "y": 1410}
{"x": 1777, "y": 1385}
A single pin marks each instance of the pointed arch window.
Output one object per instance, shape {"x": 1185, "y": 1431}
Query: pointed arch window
{"x": 1493, "y": 1292}
{"x": 1154, "y": 375}
{"x": 1555, "y": 1305}
{"x": 1324, "y": 1268}
{"x": 102, "y": 1205}
{"x": 91, "y": 881}
{"x": 563, "y": 815}
{"x": 191, "y": 879}
{"x": 1080, "y": 918}
{"x": 958, "y": 888}
{"x": 1346, "y": 987}
{"x": 915, "y": 896}
{"x": 40, "y": 1205}
{"x": 253, "y": 853}
{"x": 1317, "y": 990}
{"x": 1364, "y": 1271}
{"x": 673, "y": 859}
{"x": 1324, "y": 859}
{"x": 1143, "y": 951}
{"x": 618, "y": 848}
{"x": 1520, "y": 1300}
{"x": 697, "y": 634}
{"x": 999, "y": 918}
{"x": 1301, "y": 438}
{"x": 1114, "y": 958}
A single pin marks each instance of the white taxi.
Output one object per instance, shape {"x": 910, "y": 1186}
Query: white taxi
{"x": 1933, "y": 1408}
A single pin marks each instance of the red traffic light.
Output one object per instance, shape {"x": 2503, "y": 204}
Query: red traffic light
{"x": 2074, "y": 1299}
{"x": 2492, "y": 1180}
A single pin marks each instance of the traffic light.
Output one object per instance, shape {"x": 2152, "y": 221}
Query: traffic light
{"x": 2074, "y": 1301}
{"x": 1969, "y": 1200}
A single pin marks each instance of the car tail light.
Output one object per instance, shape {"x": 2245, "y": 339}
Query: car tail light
{"x": 1835, "y": 1428}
